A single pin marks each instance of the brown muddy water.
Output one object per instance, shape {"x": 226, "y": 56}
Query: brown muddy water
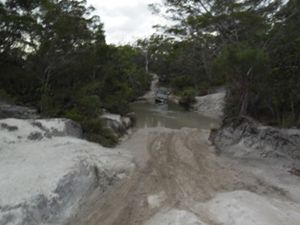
{"x": 169, "y": 116}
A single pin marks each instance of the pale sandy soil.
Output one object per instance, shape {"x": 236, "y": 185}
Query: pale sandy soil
{"x": 210, "y": 105}
{"x": 45, "y": 170}
{"x": 180, "y": 180}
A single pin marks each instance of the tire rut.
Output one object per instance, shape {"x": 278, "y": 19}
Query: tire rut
{"x": 184, "y": 168}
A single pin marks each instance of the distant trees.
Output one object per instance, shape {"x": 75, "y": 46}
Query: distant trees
{"x": 54, "y": 56}
{"x": 283, "y": 81}
{"x": 252, "y": 46}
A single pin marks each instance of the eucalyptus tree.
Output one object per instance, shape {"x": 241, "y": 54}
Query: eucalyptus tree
{"x": 240, "y": 34}
{"x": 284, "y": 81}
{"x": 54, "y": 57}
{"x": 253, "y": 45}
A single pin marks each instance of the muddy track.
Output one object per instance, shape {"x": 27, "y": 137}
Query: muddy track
{"x": 181, "y": 171}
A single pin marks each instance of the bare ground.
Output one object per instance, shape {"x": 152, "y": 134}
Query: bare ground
{"x": 177, "y": 169}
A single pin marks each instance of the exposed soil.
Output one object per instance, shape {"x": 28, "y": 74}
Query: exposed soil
{"x": 177, "y": 169}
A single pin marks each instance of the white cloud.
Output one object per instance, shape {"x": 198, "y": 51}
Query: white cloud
{"x": 126, "y": 20}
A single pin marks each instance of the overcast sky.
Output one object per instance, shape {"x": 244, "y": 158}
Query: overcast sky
{"x": 126, "y": 20}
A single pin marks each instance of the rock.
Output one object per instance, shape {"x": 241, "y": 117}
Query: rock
{"x": 19, "y": 112}
{"x": 246, "y": 208}
{"x": 244, "y": 137}
{"x": 38, "y": 129}
{"x": 117, "y": 123}
{"x": 73, "y": 129}
{"x": 210, "y": 105}
{"x": 46, "y": 171}
{"x": 175, "y": 217}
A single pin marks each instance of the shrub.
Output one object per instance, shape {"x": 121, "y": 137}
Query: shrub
{"x": 180, "y": 83}
{"x": 187, "y": 98}
{"x": 89, "y": 105}
{"x": 95, "y": 131}
{"x": 4, "y": 96}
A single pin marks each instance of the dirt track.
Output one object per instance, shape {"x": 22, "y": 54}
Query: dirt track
{"x": 181, "y": 170}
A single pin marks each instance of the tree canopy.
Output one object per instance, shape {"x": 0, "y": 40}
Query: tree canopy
{"x": 250, "y": 46}
{"x": 54, "y": 57}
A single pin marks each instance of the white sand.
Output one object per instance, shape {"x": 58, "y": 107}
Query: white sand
{"x": 246, "y": 208}
{"x": 210, "y": 105}
{"x": 174, "y": 217}
{"x": 32, "y": 168}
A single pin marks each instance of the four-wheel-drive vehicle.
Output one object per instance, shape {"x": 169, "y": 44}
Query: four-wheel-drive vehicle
{"x": 161, "y": 95}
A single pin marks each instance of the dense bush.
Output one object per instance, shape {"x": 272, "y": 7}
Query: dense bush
{"x": 187, "y": 98}
{"x": 251, "y": 47}
{"x": 53, "y": 56}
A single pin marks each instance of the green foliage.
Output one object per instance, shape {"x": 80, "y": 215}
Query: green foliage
{"x": 74, "y": 114}
{"x": 4, "y": 96}
{"x": 89, "y": 105}
{"x": 182, "y": 64}
{"x": 96, "y": 132}
{"x": 244, "y": 68}
{"x": 179, "y": 83}
{"x": 54, "y": 57}
{"x": 187, "y": 98}
{"x": 93, "y": 128}
{"x": 251, "y": 46}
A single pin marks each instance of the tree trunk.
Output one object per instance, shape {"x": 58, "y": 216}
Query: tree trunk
{"x": 244, "y": 103}
{"x": 245, "y": 93}
{"x": 146, "y": 62}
